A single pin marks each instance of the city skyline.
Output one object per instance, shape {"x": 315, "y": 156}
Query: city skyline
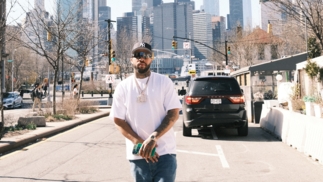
{"x": 118, "y": 9}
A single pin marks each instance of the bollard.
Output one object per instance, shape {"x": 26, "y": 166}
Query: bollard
{"x": 82, "y": 93}
{"x": 101, "y": 93}
{"x": 92, "y": 93}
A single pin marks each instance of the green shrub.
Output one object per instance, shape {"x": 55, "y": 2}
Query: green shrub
{"x": 87, "y": 110}
{"x": 31, "y": 126}
{"x": 312, "y": 69}
{"x": 62, "y": 117}
{"x": 18, "y": 127}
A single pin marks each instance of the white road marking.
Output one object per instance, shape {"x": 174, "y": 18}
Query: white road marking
{"x": 198, "y": 153}
{"x": 220, "y": 154}
{"x": 223, "y": 160}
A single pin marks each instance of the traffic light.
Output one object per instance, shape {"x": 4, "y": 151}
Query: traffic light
{"x": 173, "y": 44}
{"x": 229, "y": 50}
{"x": 49, "y": 36}
{"x": 86, "y": 62}
{"x": 113, "y": 55}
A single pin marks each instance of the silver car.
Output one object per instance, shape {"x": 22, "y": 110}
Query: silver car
{"x": 12, "y": 100}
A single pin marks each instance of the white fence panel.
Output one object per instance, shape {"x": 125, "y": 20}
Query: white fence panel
{"x": 305, "y": 133}
{"x": 297, "y": 131}
{"x": 314, "y": 139}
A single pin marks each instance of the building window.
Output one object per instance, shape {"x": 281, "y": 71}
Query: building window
{"x": 274, "y": 50}
{"x": 261, "y": 52}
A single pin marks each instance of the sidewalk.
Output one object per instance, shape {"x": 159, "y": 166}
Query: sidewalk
{"x": 52, "y": 128}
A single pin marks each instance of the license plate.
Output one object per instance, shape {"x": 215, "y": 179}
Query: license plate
{"x": 216, "y": 101}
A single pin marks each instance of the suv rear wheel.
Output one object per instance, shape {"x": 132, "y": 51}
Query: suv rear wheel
{"x": 243, "y": 131}
{"x": 186, "y": 131}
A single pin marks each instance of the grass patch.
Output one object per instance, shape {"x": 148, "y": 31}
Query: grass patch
{"x": 18, "y": 127}
{"x": 62, "y": 117}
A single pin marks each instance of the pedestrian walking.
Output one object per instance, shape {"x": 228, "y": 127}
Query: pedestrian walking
{"x": 45, "y": 86}
{"x": 187, "y": 83}
{"x": 75, "y": 91}
{"x": 37, "y": 95}
{"x": 145, "y": 108}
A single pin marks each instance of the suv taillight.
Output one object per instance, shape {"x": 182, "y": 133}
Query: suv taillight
{"x": 237, "y": 100}
{"x": 192, "y": 100}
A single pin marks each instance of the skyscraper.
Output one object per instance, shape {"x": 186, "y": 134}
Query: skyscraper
{"x": 240, "y": 14}
{"x": 218, "y": 28}
{"x": 39, "y": 4}
{"x": 102, "y": 3}
{"x": 211, "y": 7}
{"x": 247, "y": 14}
{"x": 136, "y": 6}
{"x": 144, "y": 7}
{"x": 268, "y": 11}
{"x": 192, "y": 3}
{"x": 203, "y": 33}
{"x": 236, "y": 14}
{"x": 104, "y": 14}
{"x": 133, "y": 26}
{"x": 172, "y": 19}
{"x": 34, "y": 29}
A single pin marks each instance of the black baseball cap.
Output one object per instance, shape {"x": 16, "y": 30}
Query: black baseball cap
{"x": 141, "y": 46}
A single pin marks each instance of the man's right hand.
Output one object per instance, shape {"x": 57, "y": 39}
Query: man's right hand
{"x": 147, "y": 147}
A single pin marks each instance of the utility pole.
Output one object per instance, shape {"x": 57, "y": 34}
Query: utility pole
{"x": 2, "y": 55}
{"x": 190, "y": 48}
{"x": 109, "y": 57}
{"x": 226, "y": 52}
{"x": 109, "y": 42}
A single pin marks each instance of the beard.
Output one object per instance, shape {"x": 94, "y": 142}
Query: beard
{"x": 142, "y": 70}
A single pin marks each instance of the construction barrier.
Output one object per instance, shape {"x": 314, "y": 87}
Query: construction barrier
{"x": 297, "y": 130}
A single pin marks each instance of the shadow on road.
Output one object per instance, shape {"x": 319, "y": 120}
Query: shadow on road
{"x": 256, "y": 134}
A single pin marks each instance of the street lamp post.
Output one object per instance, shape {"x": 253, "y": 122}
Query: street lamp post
{"x": 13, "y": 58}
{"x": 48, "y": 88}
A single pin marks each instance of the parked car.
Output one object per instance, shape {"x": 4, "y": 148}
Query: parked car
{"x": 214, "y": 101}
{"x": 12, "y": 100}
{"x": 26, "y": 88}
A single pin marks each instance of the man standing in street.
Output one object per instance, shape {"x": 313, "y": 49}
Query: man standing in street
{"x": 145, "y": 108}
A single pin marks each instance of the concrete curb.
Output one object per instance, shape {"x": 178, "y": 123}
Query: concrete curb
{"x": 15, "y": 142}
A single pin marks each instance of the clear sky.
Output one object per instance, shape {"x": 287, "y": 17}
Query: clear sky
{"x": 118, "y": 7}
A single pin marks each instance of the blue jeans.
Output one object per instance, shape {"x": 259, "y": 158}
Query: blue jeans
{"x": 162, "y": 171}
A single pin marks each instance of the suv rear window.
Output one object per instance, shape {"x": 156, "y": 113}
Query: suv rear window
{"x": 215, "y": 86}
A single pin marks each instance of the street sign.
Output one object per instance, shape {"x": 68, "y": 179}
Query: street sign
{"x": 109, "y": 78}
{"x": 10, "y": 60}
{"x": 186, "y": 45}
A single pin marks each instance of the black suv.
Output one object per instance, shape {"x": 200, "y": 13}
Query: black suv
{"x": 215, "y": 101}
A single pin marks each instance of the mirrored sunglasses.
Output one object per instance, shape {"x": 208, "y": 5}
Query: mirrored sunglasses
{"x": 141, "y": 55}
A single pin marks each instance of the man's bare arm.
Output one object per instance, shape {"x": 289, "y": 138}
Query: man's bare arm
{"x": 127, "y": 131}
{"x": 167, "y": 123}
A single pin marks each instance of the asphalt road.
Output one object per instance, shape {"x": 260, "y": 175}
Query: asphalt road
{"x": 96, "y": 152}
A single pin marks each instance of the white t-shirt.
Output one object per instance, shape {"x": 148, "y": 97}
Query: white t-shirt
{"x": 75, "y": 91}
{"x": 145, "y": 117}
